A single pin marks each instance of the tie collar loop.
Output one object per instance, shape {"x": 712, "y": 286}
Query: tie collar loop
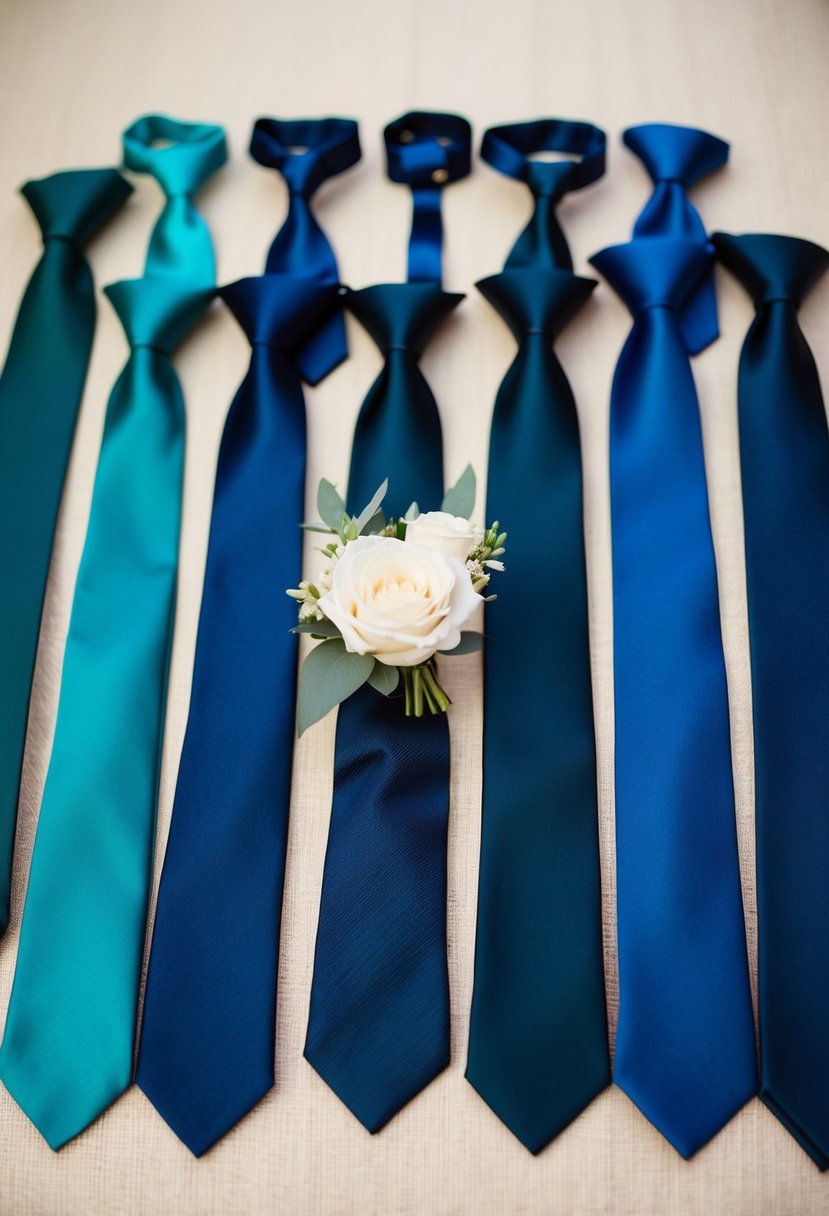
{"x": 428, "y": 149}
{"x": 306, "y": 151}
{"x": 189, "y": 154}
{"x": 508, "y": 149}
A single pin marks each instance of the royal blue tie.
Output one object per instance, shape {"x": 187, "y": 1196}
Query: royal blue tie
{"x": 784, "y": 456}
{"x": 308, "y": 151}
{"x": 685, "y": 1051}
{"x": 208, "y": 1030}
{"x": 378, "y": 1028}
{"x": 676, "y": 158}
{"x": 538, "y": 1050}
{"x": 40, "y": 395}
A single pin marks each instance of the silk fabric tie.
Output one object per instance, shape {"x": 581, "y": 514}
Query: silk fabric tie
{"x": 378, "y": 1029}
{"x": 538, "y": 1048}
{"x": 308, "y": 151}
{"x": 208, "y": 1028}
{"x": 685, "y": 1051}
{"x": 676, "y": 158}
{"x": 784, "y": 454}
{"x": 68, "y": 1046}
{"x": 40, "y": 395}
{"x": 509, "y": 150}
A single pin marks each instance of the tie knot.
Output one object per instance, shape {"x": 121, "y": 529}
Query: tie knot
{"x": 157, "y": 313}
{"x": 676, "y": 154}
{"x": 537, "y": 300}
{"x": 549, "y": 179}
{"x": 74, "y": 205}
{"x": 428, "y": 149}
{"x": 306, "y": 151}
{"x": 772, "y": 267}
{"x": 181, "y": 156}
{"x": 402, "y": 316}
{"x": 654, "y": 272}
{"x": 278, "y": 310}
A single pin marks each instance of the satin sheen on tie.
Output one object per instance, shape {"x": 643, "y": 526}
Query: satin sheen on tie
{"x": 378, "y": 1028}
{"x": 327, "y": 146}
{"x": 208, "y": 1028}
{"x": 40, "y": 394}
{"x": 676, "y": 158}
{"x": 685, "y": 1051}
{"x": 538, "y": 1051}
{"x": 509, "y": 149}
{"x": 784, "y": 454}
{"x": 68, "y": 1045}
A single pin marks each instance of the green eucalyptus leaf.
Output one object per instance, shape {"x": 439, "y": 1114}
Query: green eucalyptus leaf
{"x": 412, "y": 513}
{"x": 469, "y": 643}
{"x": 367, "y": 514}
{"x": 329, "y": 674}
{"x": 460, "y": 500}
{"x": 318, "y": 629}
{"x": 376, "y": 524}
{"x": 316, "y": 528}
{"x": 330, "y": 506}
{"x": 384, "y": 678}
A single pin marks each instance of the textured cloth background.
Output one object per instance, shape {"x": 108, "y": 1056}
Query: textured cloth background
{"x": 73, "y": 73}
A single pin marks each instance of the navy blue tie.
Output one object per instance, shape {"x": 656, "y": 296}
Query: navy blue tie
{"x": 676, "y": 158}
{"x": 308, "y": 151}
{"x": 378, "y": 1028}
{"x": 784, "y": 455}
{"x": 207, "y": 1045}
{"x": 685, "y": 1050}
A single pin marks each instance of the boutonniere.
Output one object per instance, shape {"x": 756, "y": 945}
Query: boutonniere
{"x": 391, "y": 595}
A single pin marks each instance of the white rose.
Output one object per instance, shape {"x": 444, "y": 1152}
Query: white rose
{"x": 398, "y": 601}
{"x": 452, "y": 535}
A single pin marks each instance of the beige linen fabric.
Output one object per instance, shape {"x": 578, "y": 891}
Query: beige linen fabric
{"x": 73, "y": 73}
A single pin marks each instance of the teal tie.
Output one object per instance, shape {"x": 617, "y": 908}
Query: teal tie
{"x": 68, "y": 1046}
{"x": 40, "y": 394}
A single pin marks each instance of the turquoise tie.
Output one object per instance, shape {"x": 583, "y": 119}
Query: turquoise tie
{"x": 68, "y": 1047}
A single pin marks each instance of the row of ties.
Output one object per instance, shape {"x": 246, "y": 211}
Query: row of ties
{"x": 379, "y": 1018}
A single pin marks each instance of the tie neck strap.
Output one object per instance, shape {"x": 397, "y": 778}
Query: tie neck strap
{"x": 306, "y": 151}
{"x": 181, "y": 156}
{"x": 427, "y": 151}
{"x": 509, "y": 148}
{"x": 772, "y": 267}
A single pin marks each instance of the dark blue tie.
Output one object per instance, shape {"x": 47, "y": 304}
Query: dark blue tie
{"x": 308, "y": 151}
{"x": 685, "y": 1051}
{"x": 676, "y": 158}
{"x": 378, "y": 1028}
{"x": 509, "y": 150}
{"x": 784, "y": 455}
{"x": 538, "y": 1051}
{"x": 207, "y": 1046}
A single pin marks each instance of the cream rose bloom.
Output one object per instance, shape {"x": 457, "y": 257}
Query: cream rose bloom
{"x": 451, "y": 534}
{"x": 398, "y": 600}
